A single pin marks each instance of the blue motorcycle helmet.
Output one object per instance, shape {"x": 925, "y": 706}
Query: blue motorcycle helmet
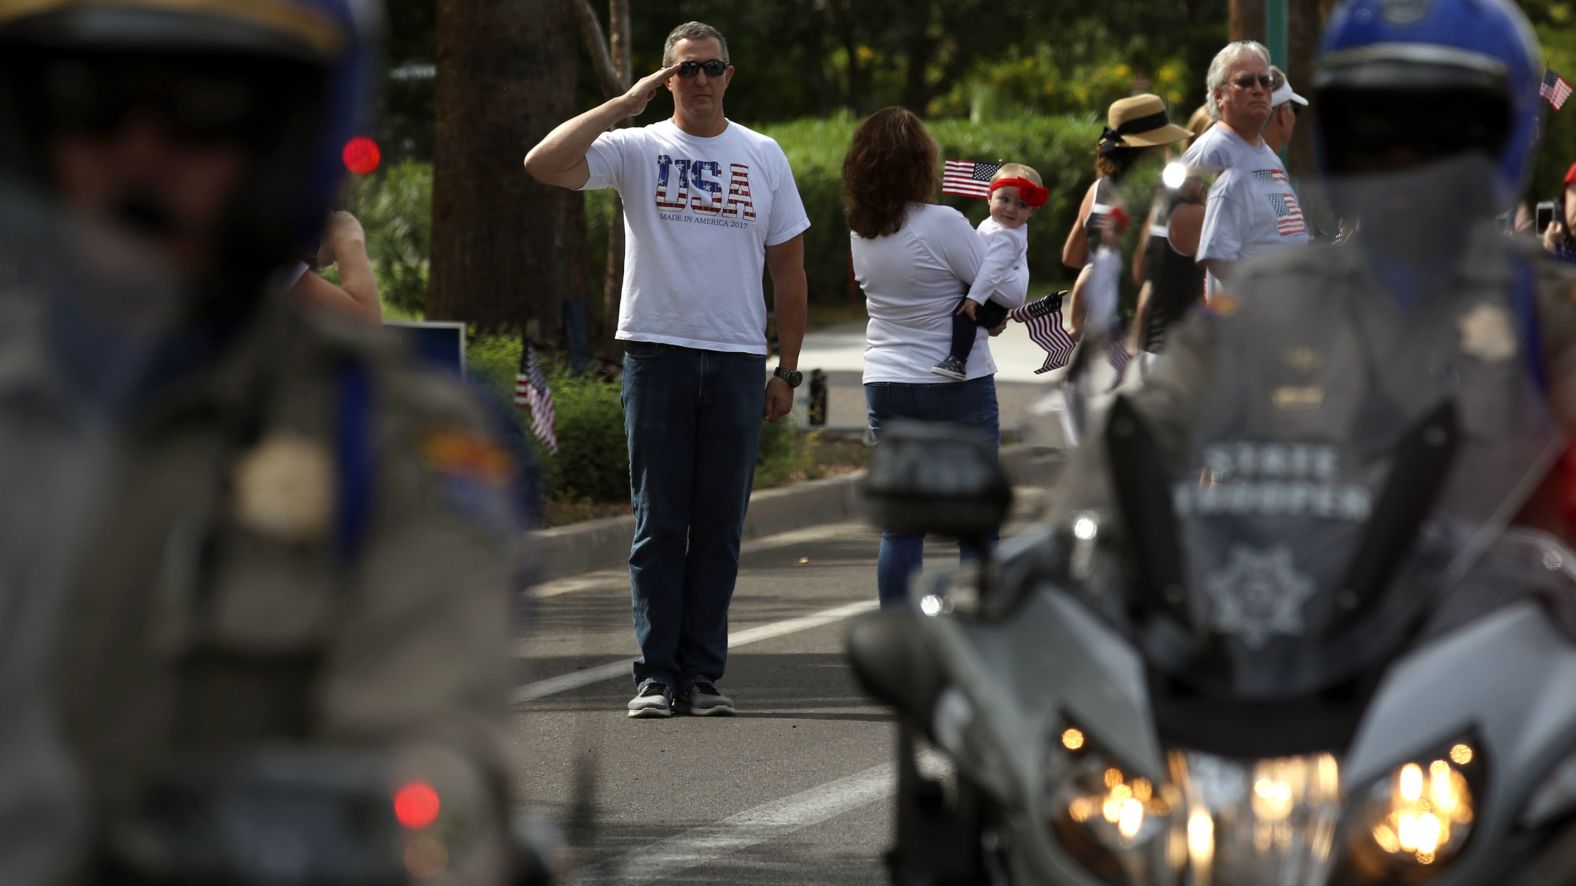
{"x": 291, "y": 80}
{"x": 1406, "y": 82}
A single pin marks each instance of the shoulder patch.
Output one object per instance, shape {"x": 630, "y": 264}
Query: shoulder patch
{"x": 473, "y": 477}
{"x": 468, "y": 455}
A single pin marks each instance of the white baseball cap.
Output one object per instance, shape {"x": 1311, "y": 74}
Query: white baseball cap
{"x": 1285, "y": 94}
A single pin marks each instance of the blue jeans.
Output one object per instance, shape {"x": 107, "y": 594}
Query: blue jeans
{"x": 971, "y": 403}
{"x": 692, "y": 419}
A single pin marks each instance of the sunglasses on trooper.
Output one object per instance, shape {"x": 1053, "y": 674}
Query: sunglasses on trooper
{"x": 713, "y": 68}
{"x": 94, "y": 97}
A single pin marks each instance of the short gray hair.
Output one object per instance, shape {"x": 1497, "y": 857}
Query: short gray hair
{"x": 692, "y": 31}
{"x": 1221, "y": 63}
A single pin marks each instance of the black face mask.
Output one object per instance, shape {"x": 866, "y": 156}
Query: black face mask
{"x": 1422, "y": 214}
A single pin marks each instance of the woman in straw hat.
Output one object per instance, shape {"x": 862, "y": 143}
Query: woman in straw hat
{"x": 1136, "y": 127}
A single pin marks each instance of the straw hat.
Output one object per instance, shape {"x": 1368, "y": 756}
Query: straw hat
{"x": 1140, "y": 121}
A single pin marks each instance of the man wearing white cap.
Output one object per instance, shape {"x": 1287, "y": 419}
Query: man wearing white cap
{"x": 1285, "y": 104}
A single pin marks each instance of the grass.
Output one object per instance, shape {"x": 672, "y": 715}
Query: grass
{"x": 827, "y": 457}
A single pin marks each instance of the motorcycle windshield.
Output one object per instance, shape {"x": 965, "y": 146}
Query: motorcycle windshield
{"x": 1377, "y": 415}
{"x": 81, "y": 312}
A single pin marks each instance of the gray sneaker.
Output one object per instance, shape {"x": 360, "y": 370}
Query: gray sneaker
{"x": 653, "y": 699}
{"x": 951, "y": 367}
{"x": 704, "y": 700}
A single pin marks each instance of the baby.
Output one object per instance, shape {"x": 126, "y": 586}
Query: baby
{"x": 1015, "y": 194}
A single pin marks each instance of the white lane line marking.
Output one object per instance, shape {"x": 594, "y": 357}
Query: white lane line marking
{"x": 802, "y": 623}
{"x": 751, "y": 827}
{"x": 567, "y": 682}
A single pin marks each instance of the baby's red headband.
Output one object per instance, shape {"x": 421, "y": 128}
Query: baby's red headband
{"x": 1031, "y": 193}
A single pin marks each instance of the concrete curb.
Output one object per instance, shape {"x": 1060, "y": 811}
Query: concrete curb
{"x": 604, "y": 544}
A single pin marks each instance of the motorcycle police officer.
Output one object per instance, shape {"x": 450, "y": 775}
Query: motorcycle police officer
{"x": 304, "y": 545}
{"x": 1428, "y": 111}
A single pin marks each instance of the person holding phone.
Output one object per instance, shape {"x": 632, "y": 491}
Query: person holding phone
{"x": 1557, "y": 237}
{"x": 344, "y": 244}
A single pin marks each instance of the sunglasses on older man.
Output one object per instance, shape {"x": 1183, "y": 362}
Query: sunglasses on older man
{"x": 1246, "y": 81}
{"x": 713, "y": 68}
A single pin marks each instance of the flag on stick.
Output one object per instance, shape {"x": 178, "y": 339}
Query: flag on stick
{"x": 531, "y": 392}
{"x": 967, "y": 178}
{"x": 1116, "y": 354}
{"x": 1043, "y": 316}
{"x": 1554, "y": 89}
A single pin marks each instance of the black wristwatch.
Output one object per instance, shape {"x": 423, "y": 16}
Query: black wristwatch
{"x": 792, "y": 376}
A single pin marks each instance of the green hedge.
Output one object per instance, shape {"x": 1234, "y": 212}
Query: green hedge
{"x": 592, "y": 463}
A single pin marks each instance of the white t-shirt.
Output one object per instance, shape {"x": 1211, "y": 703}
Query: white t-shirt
{"x": 698, "y": 216}
{"x": 1251, "y": 209}
{"x": 1214, "y": 149}
{"x": 913, "y": 280}
{"x": 1005, "y": 249}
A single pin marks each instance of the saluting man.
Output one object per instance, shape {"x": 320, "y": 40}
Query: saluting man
{"x": 707, "y": 204}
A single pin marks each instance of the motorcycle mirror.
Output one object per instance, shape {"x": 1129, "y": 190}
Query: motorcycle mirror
{"x": 891, "y": 665}
{"x": 946, "y": 479}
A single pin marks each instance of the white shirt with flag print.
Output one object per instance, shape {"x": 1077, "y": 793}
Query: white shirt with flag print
{"x": 698, "y": 216}
{"x": 1252, "y": 209}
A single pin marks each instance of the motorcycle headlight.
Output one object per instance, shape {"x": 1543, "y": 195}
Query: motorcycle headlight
{"x": 1112, "y": 820}
{"x": 1270, "y": 820}
{"x": 1420, "y": 815}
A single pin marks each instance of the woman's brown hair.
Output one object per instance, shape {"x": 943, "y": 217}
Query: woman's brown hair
{"x": 1113, "y": 160}
{"x": 891, "y": 163}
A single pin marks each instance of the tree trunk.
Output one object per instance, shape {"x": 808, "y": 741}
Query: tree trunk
{"x": 839, "y": 15}
{"x": 919, "y": 49}
{"x": 613, "y": 275}
{"x": 1246, "y": 20}
{"x": 1303, "y": 27}
{"x": 507, "y": 252}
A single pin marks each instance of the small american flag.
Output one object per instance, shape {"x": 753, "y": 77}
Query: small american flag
{"x": 1288, "y": 215}
{"x": 1554, "y": 88}
{"x": 967, "y": 178}
{"x": 1116, "y": 354}
{"x": 1043, "y": 316}
{"x": 531, "y": 392}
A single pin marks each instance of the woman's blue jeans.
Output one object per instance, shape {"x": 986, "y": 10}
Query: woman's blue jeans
{"x": 971, "y": 403}
{"x": 692, "y": 419}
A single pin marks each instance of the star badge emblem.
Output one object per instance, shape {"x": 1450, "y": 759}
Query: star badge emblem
{"x": 1258, "y": 593}
{"x": 1487, "y": 334}
{"x": 284, "y": 488}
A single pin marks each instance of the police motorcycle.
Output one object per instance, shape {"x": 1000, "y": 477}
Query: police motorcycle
{"x": 1301, "y": 638}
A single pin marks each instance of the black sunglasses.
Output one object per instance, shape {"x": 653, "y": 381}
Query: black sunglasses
{"x": 713, "y": 68}
{"x": 1246, "y": 81}
{"x": 95, "y": 99}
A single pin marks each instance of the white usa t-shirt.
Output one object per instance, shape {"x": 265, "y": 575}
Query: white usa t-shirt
{"x": 1251, "y": 209}
{"x": 698, "y": 216}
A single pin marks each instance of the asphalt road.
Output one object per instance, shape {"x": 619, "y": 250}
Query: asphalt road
{"x": 794, "y": 789}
